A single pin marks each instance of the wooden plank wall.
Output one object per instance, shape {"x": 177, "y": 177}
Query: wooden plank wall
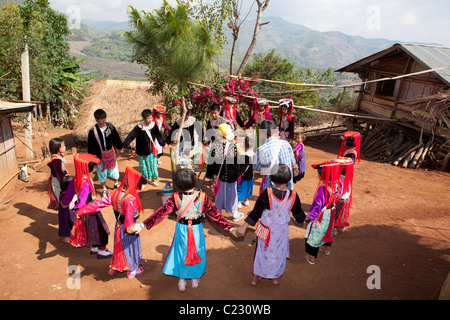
{"x": 8, "y": 159}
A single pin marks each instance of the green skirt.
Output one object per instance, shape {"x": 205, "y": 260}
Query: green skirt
{"x": 148, "y": 166}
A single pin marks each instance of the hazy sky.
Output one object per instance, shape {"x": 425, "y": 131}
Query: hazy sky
{"x": 426, "y": 21}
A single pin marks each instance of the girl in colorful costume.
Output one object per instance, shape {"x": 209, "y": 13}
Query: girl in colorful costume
{"x": 245, "y": 180}
{"x": 350, "y": 146}
{"x": 272, "y": 210}
{"x": 223, "y": 169}
{"x": 159, "y": 117}
{"x": 345, "y": 200}
{"x": 321, "y": 215}
{"x": 230, "y": 113}
{"x": 260, "y": 113}
{"x": 127, "y": 208}
{"x": 58, "y": 170}
{"x": 66, "y": 216}
{"x": 187, "y": 255}
{"x": 95, "y": 226}
{"x": 299, "y": 154}
{"x": 287, "y": 120}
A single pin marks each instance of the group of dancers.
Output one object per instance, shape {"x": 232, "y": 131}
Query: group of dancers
{"x": 230, "y": 170}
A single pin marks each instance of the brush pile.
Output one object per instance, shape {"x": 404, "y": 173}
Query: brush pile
{"x": 405, "y": 147}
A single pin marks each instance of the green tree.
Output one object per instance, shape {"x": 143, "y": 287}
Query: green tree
{"x": 50, "y": 61}
{"x": 176, "y": 49}
{"x": 11, "y": 39}
{"x": 272, "y": 66}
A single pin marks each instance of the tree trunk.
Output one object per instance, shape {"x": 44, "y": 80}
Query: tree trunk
{"x": 262, "y": 5}
{"x": 233, "y": 48}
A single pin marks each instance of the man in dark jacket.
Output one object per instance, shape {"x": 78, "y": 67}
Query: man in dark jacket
{"x": 102, "y": 139}
{"x": 146, "y": 134}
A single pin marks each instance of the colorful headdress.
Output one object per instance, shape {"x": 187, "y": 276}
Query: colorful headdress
{"x": 347, "y": 168}
{"x": 350, "y": 137}
{"x": 329, "y": 178}
{"x": 159, "y": 109}
{"x": 285, "y": 103}
{"x": 229, "y": 112}
{"x": 130, "y": 181}
{"x": 261, "y": 102}
{"x": 81, "y": 161}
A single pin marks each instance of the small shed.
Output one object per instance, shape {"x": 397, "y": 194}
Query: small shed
{"x": 398, "y": 86}
{"x": 8, "y": 158}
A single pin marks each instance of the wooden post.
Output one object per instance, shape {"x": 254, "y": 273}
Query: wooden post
{"x": 26, "y": 97}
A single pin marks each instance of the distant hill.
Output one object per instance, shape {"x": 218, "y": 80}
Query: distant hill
{"x": 299, "y": 44}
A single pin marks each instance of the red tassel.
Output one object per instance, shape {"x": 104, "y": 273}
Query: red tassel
{"x": 267, "y": 242}
{"x": 79, "y": 238}
{"x": 119, "y": 261}
{"x": 192, "y": 256}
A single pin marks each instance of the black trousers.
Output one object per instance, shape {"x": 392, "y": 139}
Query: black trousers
{"x": 313, "y": 251}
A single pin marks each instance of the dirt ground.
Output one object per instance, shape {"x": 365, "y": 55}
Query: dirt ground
{"x": 399, "y": 223}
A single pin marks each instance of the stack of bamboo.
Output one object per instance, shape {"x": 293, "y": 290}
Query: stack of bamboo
{"x": 404, "y": 148}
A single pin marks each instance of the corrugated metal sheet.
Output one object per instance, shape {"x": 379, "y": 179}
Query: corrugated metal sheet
{"x": 432, "y": 57}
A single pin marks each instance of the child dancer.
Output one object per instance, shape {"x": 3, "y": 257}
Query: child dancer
{"x": 58, "y": 170}
{"x": 212, "y": 126}
{"x": 321, "y": 214}
{"x": 272, "y": 210}
{"x": 245, "y": 180}
{"x": 345, "y": 200}
{"x": 97, "y": 230}
{"x": 187, "y": 255}
{"x": 127, "y": 208}
{"x": 299, "y": 154}
{"x": 260, "y": 113}
{"x": 230, "y": 113}
{"x": 102, "y": 138}
{"x": 66, "y": 217}
{"x": 146, "y": 134}
{"x": 223, "y": 167}
{"x": 159, "y": 117}
{"x": 350, "y": 146}
{"x": 287, "y": 120}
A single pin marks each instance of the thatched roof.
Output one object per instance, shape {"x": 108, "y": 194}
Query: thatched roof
{"x": 123, "y": 102}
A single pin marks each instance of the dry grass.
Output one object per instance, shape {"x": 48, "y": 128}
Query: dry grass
{"x": 123, "y": 102}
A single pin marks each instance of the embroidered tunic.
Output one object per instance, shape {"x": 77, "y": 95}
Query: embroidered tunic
{"x": 174, "y": 264}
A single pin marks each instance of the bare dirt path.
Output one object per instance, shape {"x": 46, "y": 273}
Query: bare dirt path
{"x": 399, "y": 223}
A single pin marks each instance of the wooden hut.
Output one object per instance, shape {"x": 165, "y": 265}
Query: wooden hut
{"x": 8, "y": 158}
{"x": 412, "y": 98}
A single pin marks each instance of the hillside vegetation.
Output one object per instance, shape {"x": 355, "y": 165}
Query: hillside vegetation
{"x": 304, "y": 47}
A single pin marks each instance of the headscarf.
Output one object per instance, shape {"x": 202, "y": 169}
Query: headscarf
{"x": 229, "y": 112}
{"x": 347, "y": 166}
{"x": 81, "y": 161}
{"x": 159, "y": 109}
{"x": 261, "y": 102}
{"x": 285, "y": 102}
{"x": 350, "y": 135}
{"x": 329, "y": 178}
{"x": 130, "y": 181}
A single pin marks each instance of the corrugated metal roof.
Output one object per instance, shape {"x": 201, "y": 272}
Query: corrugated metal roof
{"x": 432, "y": 57}
{"x": 13, "y": 107}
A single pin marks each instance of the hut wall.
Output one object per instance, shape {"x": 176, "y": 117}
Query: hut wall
{"x": 389, "y": 99}
{"x": 8, "y": 159}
